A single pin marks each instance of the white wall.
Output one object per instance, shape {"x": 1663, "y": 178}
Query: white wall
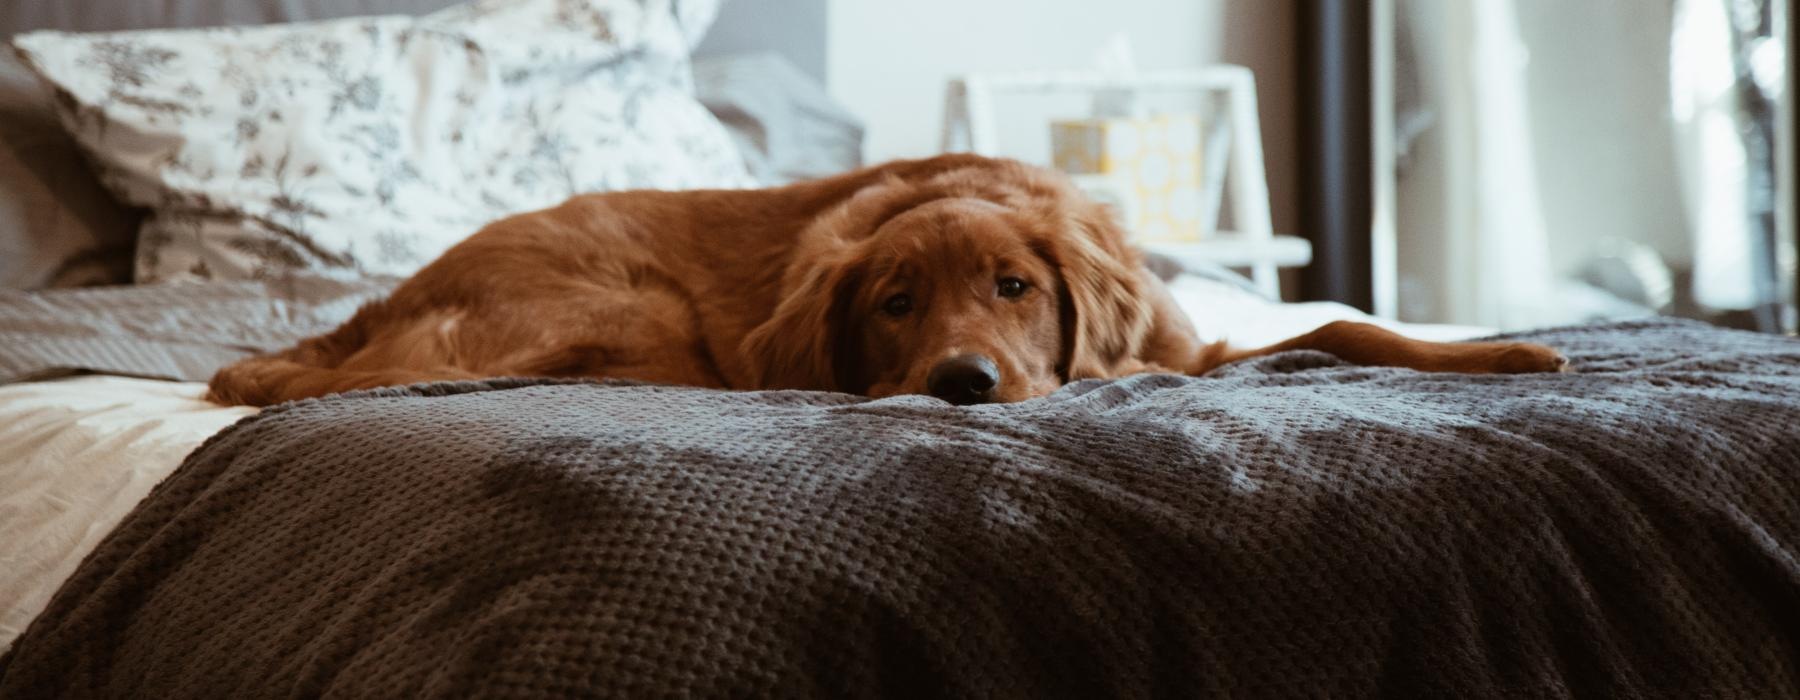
{"x": 888, "y": 62}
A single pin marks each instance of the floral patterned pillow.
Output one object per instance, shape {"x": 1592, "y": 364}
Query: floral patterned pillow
{"x": 370, "y": 145}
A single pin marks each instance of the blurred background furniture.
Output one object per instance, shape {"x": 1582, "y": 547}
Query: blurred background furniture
{"x": 1231, "y": 154}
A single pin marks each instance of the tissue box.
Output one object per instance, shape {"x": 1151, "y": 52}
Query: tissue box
{"x": 1151, "y": 164}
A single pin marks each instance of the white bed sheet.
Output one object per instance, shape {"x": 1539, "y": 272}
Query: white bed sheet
{"x": 1222, "y": 311}
{"x": 76, "y": 455}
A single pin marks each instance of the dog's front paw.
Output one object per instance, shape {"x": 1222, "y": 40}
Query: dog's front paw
{"x": 1528, "y": 358}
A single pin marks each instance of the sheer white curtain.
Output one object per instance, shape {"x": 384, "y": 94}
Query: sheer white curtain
{"x": 1474, "y": 247}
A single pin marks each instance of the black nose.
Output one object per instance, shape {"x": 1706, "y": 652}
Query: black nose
{"x": 964, "y": 379}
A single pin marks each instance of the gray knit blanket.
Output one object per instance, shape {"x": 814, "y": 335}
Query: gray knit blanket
{"x": 1286, "y": 527}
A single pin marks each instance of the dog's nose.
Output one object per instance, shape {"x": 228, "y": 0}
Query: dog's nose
{"x": 964, "y": 379}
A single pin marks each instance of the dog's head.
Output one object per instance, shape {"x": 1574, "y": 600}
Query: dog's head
{"x": 977, "y": 285}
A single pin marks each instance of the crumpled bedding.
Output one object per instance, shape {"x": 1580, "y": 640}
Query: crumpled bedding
{"x": 1287, "y": 526}
{"x": 183, "y": 331}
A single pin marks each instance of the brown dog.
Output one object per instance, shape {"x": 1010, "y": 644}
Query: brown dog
{"x": 966, "y": 278}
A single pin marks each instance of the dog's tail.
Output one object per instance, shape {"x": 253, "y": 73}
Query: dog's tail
{"x": 313, "y": 368}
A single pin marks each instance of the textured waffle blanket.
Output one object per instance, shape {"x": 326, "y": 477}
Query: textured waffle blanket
{"x": 1290, "y": 526}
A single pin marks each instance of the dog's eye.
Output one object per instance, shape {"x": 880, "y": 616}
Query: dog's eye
{"x": 897, "y": 305}
{"x": 1012, "y": 287}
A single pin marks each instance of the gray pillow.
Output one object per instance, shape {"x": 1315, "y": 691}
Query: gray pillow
{"x": 58, "y": 227}
{"x": 785, "y": 124}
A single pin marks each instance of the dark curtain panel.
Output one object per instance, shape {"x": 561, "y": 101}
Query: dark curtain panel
{"x": 1337, "y": 192}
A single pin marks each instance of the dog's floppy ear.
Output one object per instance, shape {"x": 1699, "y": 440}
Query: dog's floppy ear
{"x": 1105, "y": 317}
{"x": 806, "y": 344}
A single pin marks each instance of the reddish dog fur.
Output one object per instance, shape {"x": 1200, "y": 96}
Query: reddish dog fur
{"x": 865, "y": 283}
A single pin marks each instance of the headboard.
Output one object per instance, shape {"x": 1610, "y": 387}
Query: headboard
{"x": 795, "y": 29}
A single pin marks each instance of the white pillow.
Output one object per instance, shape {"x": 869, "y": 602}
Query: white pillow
{"x": 370, "y": 145}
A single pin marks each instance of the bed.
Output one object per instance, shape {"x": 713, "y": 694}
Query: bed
{"x": 1284, "y": 526}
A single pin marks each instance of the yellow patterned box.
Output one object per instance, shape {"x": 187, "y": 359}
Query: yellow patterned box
{"x": 1153, "y": 162}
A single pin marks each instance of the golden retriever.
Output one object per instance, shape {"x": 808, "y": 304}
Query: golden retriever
{"x": 966, "y": 278}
